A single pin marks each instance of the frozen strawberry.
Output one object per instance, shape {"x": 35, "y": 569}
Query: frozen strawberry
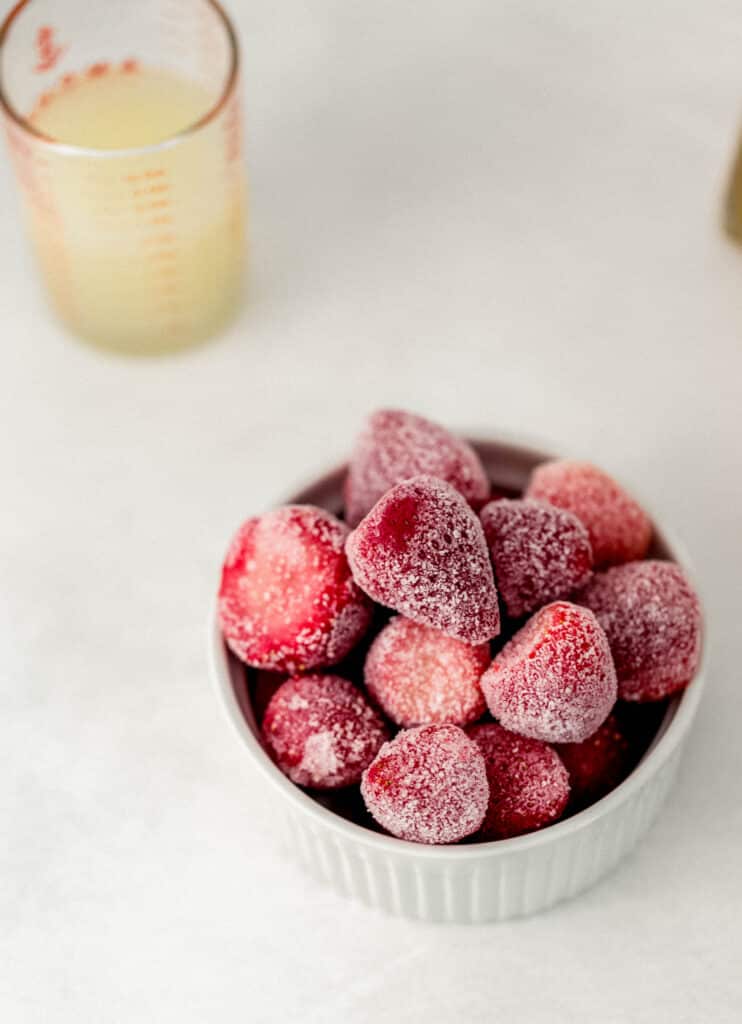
{"x": 619, "y": 528}
{"x": 555, "y": 680}
{"x": 394, "y": 446}
{"x": 529, "y": 786}
{"x": 428, "y": 785}
{"x": 598, "y": 764}
{"x": 321, "y": 731}
{"x": 652, "y": 618}
{"x": 417, "y": 674}
{"x": 287, "y": 600}
{"x": 540, "y": 552}
{"x": 421, "y": 551}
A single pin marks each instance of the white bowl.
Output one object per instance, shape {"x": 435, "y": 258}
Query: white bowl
{"x": 477, "y": 882}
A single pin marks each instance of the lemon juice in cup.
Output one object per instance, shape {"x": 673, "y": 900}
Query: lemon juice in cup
{"x": 124, "y": 128}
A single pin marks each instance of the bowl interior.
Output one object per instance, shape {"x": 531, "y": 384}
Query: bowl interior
{"x": 509, "y": 467}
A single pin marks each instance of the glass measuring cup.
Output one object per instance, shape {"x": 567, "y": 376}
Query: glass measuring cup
{"x": 123, "y": 123}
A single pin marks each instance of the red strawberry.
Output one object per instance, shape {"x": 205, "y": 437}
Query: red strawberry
{"x": 619, "y": 528}
{"x": 428, "y": 785}
{"x": 540, "y": 552}
{"x": 394, "y": 446}
{"x": 652, "y": 618}
{"x": 555, "y": 680}
{"x": 287, "y": 600}
{"x": 421, "y": 550}
{"x": 322, "y": 732}
{"x": 418, "y": 674}
{"x": 598, "y": 764}
{"x": 529, "y": 786}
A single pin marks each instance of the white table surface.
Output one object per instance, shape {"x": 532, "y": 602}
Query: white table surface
{"x": 502, "y": 215}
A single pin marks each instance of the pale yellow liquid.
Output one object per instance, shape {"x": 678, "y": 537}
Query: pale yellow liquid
{"x": 142, "y": 252}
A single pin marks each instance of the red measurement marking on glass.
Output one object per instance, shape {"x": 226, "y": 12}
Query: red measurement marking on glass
{"x": 154, "y": 204}
{"x": 144, "y": 175}
{"x": 48, "y": 50}
{"x": 129, "y": 66}
{"x": 151, "y": 190}
{"x": 98, "y": 70}
{"x": 19, "y": 148}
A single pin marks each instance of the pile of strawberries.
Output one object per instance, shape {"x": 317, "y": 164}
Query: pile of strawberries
{"x": 537, "y": 618}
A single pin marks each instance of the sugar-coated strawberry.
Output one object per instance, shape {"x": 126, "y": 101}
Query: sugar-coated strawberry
{"x": 555, "y": 680}
{"x": 428, "y": 785}
{"x": 540, "y": 552}
{"x": 287, "y": 600}
{"x": 396, "y": 445}
{"x": 529, "y": 785}
{"x": 321, "y": 731}
{"x": 652, "y": 618}
{"x": 421, "y": 551}
{"x": 619, "y": 528}
{"x": 417, "y": 675}
{"x": 598, "y": 764}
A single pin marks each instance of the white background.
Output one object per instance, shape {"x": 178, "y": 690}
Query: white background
{"x": 504, "y": 215}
